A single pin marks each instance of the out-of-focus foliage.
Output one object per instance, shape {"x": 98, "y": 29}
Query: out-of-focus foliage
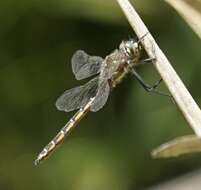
{"x": 109, "y": 149}
{"x": 190, "y": 11}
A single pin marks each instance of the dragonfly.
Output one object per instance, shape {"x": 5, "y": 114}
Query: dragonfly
{"x": 93, "y": 95}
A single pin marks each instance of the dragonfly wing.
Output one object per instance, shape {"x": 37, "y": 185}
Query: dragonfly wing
{"x": 101, "y": 97}
{"x": 77, "y": 97}
{"x": 79, "y": 59}
{"x": 84, "y": 65}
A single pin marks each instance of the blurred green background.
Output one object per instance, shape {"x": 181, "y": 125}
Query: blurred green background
{"x": 110, "y": 149}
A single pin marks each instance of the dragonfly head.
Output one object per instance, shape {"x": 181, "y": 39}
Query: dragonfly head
{"x": 130, "y": 48}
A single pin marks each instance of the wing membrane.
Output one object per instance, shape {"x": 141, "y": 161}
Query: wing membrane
{"x": 101, "y": 97}
{"x": 77, "y": 97}
{"x": 84, "y": 65}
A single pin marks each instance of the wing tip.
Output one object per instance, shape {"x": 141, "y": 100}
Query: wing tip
{"x": 58, "y": 106}
{"x": 61, "y": 108}
{"x": 75, "y": 55}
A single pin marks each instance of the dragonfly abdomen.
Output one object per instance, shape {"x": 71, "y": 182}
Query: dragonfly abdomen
{"x": 63, "y": 132}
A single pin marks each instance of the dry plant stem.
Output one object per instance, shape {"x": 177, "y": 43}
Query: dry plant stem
{"x": 176, "y": 87}
{"x": 178, "y": 146}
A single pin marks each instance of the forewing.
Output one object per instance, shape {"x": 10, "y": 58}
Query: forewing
{"x": 77, "y": 97}
{"x": 101, "y": 97}
{"x": 84, "y": 65}
{"x": 79, "y": 59}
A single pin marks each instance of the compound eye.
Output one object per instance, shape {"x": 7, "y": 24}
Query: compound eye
{"x": 135, "y": 48}
{"x": 135, "y": 45}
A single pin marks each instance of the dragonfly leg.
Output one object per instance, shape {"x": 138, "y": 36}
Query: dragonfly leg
{"x": 147, "y": 60}
{"x": 150, "y": 59}
{"x": 142, "y": 37}
{"x": 149, "y": 88}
